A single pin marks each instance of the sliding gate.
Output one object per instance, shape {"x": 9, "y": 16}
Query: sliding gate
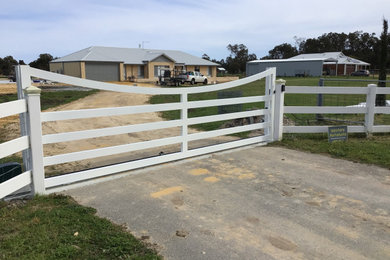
{"x": 185, "y": 104}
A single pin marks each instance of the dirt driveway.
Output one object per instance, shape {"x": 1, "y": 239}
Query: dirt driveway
{"x": 254, "y": 203}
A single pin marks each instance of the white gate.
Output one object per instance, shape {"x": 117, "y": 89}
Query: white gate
{"x": 36, "y": 118}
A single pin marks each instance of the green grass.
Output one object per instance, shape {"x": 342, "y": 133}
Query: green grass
{"x": 53, "y": 99}
{"x": 56, "y": 227}
{"x": 358, "y": 148}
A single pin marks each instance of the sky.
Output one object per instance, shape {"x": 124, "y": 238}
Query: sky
{"x": 61, "y": 27}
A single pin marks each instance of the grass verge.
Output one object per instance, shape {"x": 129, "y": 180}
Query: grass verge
{"x": 56, "y": 227}
{"x": 358, "y": 148}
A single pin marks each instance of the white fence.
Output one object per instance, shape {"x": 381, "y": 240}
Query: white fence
{"x": 369, "y": 110}
{"x": 38, "y": 161}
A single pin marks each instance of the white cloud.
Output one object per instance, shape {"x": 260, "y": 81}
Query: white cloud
{"x": 61, "y": 27}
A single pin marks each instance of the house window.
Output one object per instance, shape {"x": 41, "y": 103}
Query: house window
{"x": 141, "y": 71}
{"x": 197, "y": 68}
{"x": 210, "y": 71}
{"x": 157, "y": 69}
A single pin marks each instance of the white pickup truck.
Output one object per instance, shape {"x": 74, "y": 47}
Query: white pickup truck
{"x": 193, "y": 77}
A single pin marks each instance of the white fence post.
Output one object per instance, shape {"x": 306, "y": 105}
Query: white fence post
{"x": 370, "y": 108}
{"x": 279, "y": 109}
{"x": 184, "y": 119}
{"x": 34, "y": 108}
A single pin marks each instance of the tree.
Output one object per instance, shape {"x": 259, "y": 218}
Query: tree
{"x": 299, "y": 43}
{"x": 236, "y": 62}
{"x": 7, "y": 65}
{"x": 282, "y": 51}
{"x": 21, "y": 62}
{"x": 42, "y": 62}
{"x": 359, "y": 45}
{"x": 381, "y": 99}
{"x": 205, "y": 56}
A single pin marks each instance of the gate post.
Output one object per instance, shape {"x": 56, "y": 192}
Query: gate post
{"x": 279, "y": 110}
{"x": 23, "y": 80}
{"x": 34, "y": 118}
{"x": 370, "y": 109}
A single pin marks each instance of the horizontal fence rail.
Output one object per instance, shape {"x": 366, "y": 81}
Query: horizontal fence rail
{"x": 13, "y": 108}
{"x": 53, "y": 182}
{"x": 14, "y": 146}
{"x": 323, "y": 110}
{"x": 14, "y": 184}
{"x": 116, "y": 111}
{"x": 144, "y": 90}
{"x": 325, "y": 90}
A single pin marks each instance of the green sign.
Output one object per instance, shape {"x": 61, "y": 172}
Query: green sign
{"x": 337, "y": 133}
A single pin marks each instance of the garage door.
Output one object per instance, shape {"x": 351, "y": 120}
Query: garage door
{"x": 102, "y": 71}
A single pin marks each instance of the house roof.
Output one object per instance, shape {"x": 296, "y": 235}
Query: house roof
{"x": 132, "y": 56}
{"x": 330, "y": 58}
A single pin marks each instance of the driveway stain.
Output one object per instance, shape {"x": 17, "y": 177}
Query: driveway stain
{"x": 166, "y": 191}
{"x": 282, "y": 243}
{"x": 199, "y": 171}
{"x": 211, "y": 179}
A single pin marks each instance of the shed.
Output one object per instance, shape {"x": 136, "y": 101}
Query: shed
{"x": 287, "y": 67}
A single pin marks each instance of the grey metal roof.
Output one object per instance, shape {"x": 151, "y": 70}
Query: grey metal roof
{"x": 330, "y": 58}
{"x": 132, "y": 56}
{"x": 284, "y": 60}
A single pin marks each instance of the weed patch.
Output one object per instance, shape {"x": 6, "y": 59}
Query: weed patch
{"x": 56, "y": 227}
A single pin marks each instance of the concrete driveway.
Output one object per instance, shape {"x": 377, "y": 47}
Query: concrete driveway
{"x": 252, "y": 203}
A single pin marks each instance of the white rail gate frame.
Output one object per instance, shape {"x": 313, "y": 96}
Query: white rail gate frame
{"x": 32, "y": 140}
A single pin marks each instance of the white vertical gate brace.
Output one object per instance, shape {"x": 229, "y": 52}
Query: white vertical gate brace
{"x": 34, "y": 108}
{"x": 184, "y": 119}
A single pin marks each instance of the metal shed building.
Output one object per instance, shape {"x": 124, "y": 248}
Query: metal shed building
{"x": 287, "y": 67}
{"x": 310, "y": 64}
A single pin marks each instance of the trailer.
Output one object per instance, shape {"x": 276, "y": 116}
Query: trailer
{"x": 170, "y": 77}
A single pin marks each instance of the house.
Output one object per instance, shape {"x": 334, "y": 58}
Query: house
{"x": 314, "y": 64}
{"x": 120, "y": 64}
